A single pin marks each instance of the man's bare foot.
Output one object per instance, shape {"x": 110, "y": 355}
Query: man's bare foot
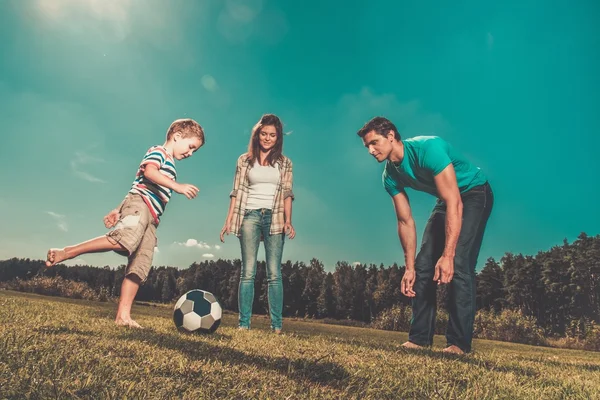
{"x": 55, "y": 256}
{"x": 128, "y": 322}
{"x": 453, "y": 350}
{"x": 411, "y": 345}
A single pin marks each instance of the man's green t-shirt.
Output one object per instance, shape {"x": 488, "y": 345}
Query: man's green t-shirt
{"x": 424, "y": 158}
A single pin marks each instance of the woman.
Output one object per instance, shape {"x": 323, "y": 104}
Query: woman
{"x": 261, "y": 210}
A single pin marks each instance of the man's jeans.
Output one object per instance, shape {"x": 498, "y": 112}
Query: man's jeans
{"x": 477, "y": 206}
{"x": 255, "y": 224}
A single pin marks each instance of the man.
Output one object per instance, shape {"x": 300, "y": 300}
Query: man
{"x": 453, "y": 234}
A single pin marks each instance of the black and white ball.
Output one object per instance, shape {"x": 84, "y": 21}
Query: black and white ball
{"x": 197, "y": 311}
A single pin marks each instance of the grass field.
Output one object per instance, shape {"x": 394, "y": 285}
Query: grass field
{"x": 61, "y": 348}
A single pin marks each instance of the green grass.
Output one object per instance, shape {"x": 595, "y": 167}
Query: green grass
{"x": 61, "y": 348}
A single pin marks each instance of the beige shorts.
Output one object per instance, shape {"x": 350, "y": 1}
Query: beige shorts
{"x": 136, "y": 231}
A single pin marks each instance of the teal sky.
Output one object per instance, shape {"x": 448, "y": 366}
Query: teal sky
{"x": 87, "y": 86}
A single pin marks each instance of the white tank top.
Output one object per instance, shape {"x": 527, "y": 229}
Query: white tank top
{"x": 263, "y": 183}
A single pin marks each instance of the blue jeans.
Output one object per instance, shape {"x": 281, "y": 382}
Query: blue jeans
{"x": 477, "y": 206}
{"x": 255, "y": 224}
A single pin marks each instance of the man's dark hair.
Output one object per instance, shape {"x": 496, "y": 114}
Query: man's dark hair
{"x": 380, "y": 125}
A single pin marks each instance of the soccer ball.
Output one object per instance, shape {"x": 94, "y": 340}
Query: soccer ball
{"x": 197, "y": 311}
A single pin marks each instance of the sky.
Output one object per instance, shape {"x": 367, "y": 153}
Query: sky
{"x": 87, "y": 86}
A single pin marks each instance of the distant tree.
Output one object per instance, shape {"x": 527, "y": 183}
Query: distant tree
{"x": 315, "y": 273}
{"x": 326, "y": 301}
{"x": 558, "y": 292}
{"x": 490, "y": 286}
{"x": 343, "y": 290}
{"x": 370, "y": 288}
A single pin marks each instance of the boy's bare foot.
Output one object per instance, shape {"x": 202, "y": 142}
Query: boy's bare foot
{"x": 453, "y": 350}
{"x": 55, "y": 256}
{"x": 128, "y": 322}
{"x": 411, "y": 345}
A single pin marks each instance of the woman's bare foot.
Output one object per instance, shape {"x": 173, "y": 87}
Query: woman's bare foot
{"x": 128, "y": 322}
{"x": 55, "y": 256}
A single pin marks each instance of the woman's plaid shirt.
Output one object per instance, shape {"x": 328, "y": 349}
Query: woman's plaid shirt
{"x": 241, "y": 189}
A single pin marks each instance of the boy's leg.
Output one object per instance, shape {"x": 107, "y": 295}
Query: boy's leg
{"x": 124, "y": 238}
{"x": 129, "y": 288}
{"x": 424, "y": 306}
{"x": 274, "y": 252}
{"x": 477, "y": 206}
{"x": 97, "y": 245}
{"x": 137, "y": 272}
{"x": 249, "y": 242}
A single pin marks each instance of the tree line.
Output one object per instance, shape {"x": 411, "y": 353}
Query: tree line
{"x": 560, "y": 287}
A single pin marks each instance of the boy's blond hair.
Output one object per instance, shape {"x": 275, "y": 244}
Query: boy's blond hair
{"x": 187, "y": 127}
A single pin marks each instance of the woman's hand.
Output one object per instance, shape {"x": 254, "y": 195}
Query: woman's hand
{"x": 224, "y": 231}
{"x": 289, "y": 230}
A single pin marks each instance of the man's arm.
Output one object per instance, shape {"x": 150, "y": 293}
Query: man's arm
{"x": 406, "y": 228}
{"x": 448, "y": 190}
{"x": 408, "y": 238}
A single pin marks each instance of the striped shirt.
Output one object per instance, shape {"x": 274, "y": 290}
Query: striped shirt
{"x": 155, "y": 195}
{"x": 241, "y": 186}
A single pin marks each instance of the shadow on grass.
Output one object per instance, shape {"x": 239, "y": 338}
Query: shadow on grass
{"x": 585, "y": 366}
{"x": 438, "y": 355}
{"x": 61, "y": 330}
{"x": 315, "y": 371}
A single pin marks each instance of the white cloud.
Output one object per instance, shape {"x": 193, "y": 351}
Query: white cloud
{"x": 81, "y": 159}
{"x": 60, "y": 220}
{"x": 355, "y": 263}
{"x": 193, "y": 243}
{"x": 208, "y": 255}
{"x": 156, "y": 251}
{"x": 217, "y": 247}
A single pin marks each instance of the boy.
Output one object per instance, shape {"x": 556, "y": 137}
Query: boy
{"x": 135, "y": 220}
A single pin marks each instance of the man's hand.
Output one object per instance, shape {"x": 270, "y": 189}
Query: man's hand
{"x": 289, "y": 230}
{"x": 408, "y": 280}
{"x": 444, "y": 270}
{"x": 112, "y": 218}
{"x": 189, "y": 191}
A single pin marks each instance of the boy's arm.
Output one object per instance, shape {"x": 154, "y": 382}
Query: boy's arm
{"x": 152, "y": 173}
